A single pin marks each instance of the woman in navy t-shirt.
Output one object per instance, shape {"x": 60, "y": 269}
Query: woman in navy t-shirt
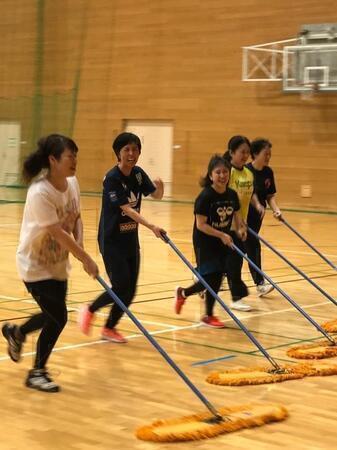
{"x": 264, "y": 188}
{"x": 123, "y": 187}
{"x": 215, "y": 209}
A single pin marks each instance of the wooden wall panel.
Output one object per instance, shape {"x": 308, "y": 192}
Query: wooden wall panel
{"x": 181, "y": 60}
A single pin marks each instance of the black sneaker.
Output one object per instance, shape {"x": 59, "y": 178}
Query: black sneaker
{"x": 39, "y": 379}
{"x": 14, "y": 348}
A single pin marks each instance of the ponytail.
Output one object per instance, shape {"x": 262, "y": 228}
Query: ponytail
{"x": 52, "y": 145}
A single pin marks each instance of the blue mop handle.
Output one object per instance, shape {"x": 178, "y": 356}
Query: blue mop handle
{"x": 174, "y": 366}
{"x": 298, "y": 270}
{"x": 212, "y": 292}
{"x": 285, "y": 295}
{"x": 331, "y": 264}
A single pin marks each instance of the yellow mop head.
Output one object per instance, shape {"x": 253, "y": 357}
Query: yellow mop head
{"x": 330, "y": 327}
{"x": 197, "y": 426}
{"x": 318, "y": 368}
{"x": 319, "y": 350}
{"x": 263, "y": 375}
{"x": 252, "y": 375}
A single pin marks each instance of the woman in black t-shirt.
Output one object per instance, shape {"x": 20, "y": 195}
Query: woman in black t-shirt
{"x": 264, "y": 187}
{"x": 123, "y": 187}
{"x": 215, "y": 208}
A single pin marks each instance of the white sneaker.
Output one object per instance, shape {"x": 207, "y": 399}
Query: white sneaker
{"x": 240, "y": 305}
{"x": 264, "y": 289}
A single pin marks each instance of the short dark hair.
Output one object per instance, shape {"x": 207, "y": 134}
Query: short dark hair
{"x": 258, "y": 145}
{"x": 124, "y": 139}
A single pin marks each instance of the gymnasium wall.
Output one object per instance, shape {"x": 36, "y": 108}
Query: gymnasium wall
{"x": 82, "y": 67}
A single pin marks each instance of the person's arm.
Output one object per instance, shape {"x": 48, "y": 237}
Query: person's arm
{"x": 67, "y": 242}
{"x": 78, "y": 231}
{"x": 202, "y": 225}
{"x": 159, "y": 192}
{"x": 257, "y": 205}
{"x": 274, "y": 206}
{"x": 137, "y": 217}
{"x": 240, "y": 226}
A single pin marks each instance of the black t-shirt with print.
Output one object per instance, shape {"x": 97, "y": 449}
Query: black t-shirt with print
{"x": 219, "y": 210}
{"x": 264, "y": 183}
{"x": 115, "y": 228}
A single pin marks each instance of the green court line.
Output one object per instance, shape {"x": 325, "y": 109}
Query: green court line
{"x": 263, "y": 333}
{"x": 300, "y": 341}
{"x": 251, "y": 353}
{"x": 5, "y": 202}
{"x": 255, "y": 353}
{"x": 191, "y": 202}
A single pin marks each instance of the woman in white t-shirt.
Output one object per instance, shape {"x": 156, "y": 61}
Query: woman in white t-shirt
{"x": 51, "y": 228}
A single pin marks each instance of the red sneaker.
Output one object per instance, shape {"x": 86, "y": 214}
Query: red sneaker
{"x": 113, "y": 335}
{"x": 179, "y": 300}
{"x": 212, "y": 321}
{"x": 85, "y": 319}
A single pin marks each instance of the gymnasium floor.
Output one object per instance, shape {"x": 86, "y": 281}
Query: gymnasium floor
{"x": 110, "y": 389}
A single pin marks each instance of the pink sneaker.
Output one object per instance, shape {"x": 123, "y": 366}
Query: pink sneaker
{"x": 212, "y": 321}
{"x": 179, "y": 300}
{"x": 113, "y": 335}
{"x": 85, "y": 319}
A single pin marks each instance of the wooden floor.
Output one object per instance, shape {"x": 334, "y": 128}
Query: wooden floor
{"x": 109, "y": 389}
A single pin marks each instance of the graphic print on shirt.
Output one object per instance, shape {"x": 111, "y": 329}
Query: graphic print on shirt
{"x": 221, "y": 215}
{"x": 243, "y": 187}
{"x": 267, "y": 183}
{"x": 46, "y": 250}
{"x": 126, "y": 227}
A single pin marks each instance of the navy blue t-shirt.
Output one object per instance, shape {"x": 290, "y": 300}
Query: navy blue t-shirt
{"x": 116, "y": 229}
{"x": 219, "y": 210}
{"x": 264, "y": 183}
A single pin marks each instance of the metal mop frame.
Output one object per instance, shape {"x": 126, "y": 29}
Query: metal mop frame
{"x": 277, "y": 368}
{"x": 298, "y": 270}
{"x": 331, "y": 264}
{"x": 285, "y": 295}
{"x": 217, "y": 416}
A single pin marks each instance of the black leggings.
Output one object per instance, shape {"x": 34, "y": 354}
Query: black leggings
{"x": 123, "y": 274}
{"x": 214, "y": 280}
{"x": 253, "y": 245}
{"x": 50, "y": 295}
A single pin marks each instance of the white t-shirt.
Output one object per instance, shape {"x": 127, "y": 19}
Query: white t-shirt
{"x": 39, "y": 257}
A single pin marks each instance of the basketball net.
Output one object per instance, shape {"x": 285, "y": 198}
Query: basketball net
{"x": 308, "y": 94}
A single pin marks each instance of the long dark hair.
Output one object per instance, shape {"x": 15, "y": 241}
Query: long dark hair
{"x": 216, "y": 160}
{"x": 233, "y": 144}
{"x": 53, "y": 145}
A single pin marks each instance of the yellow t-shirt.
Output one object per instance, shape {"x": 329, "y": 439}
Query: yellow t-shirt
{"x": 242, "y": 181}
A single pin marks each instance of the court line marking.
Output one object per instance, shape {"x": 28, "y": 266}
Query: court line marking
{"x": 102, "y": 341}
{"x": 267, "y": 313}
{"x": 210, "y": 361}
{"x": 125, "y": 318}
{"x": 184, "y": 241}
{"x": 176, "y": 328}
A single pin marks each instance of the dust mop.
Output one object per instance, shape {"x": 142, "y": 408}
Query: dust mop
{"x": 319, "y": 350}
{"x": 199, "y": 426}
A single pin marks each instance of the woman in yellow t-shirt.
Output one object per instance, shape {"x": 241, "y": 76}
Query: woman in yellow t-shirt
{"x": 241, "y": 181}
